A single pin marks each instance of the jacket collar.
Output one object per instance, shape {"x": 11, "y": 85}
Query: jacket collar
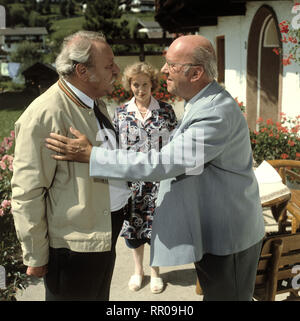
{"x": 205, "y": 95}
{"x": 88, "y": 101}
{"x": 70, "y": 93}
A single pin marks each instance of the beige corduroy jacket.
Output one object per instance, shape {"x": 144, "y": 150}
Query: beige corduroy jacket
{"x": 57, "y": 203}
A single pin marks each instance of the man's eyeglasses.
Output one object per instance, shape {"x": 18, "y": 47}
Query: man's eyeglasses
{"x": 172, "y": 65}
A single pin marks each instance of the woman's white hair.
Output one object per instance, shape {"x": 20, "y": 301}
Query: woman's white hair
{"x": 76, "y": 48}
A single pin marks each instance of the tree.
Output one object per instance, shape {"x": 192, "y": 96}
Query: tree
{"x": 67, "y": 8}
{"x": 63, "y": 8}
{"x": 47, "y": 7}
{"x": 40, "y": 7}
{"x": 36, "y": 20}
{"x": 27, "y": 54}
{"x": 30, "y": 5}
{"x": 18, "y": 16}
{"x": 101, "y": 15}
{"x": 54, "y": 47}
{"x": 70, "y": 8}
{"x": 26, "y": 15}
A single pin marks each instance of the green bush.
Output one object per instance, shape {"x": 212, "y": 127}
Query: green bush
{"x": 119, "y": 94}
{"x": 276, "y": 140}
{"x": 10, "y": 86}
{"x": 162, "y": 92}
{"x": 10, "y": 249}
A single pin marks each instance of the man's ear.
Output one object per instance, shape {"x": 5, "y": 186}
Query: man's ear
{"x": 197, "y": 73}
{"x": 81, "y": 71}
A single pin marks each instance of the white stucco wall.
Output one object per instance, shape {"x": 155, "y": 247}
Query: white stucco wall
{"x": 236, "y": 31}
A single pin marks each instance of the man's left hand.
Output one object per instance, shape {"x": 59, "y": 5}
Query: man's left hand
{"x": 78, "y": 149}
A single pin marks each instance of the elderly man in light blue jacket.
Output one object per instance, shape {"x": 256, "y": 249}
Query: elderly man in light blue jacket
{"x": 208, "y": 208}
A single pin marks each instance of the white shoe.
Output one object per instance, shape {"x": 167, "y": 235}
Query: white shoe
{"x": 156, "y": 285}
{"x": 135, "y": 282}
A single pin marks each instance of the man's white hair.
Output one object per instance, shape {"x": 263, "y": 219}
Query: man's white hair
{"x": 206, "y": 58}
{"x": 76, "y": 48}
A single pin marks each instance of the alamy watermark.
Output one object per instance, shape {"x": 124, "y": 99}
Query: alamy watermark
{"x": 2, "y": 17}
{"x": 296, "y": 279}
{"x": 2, "y": 277}
{"x": 185, "y": 151}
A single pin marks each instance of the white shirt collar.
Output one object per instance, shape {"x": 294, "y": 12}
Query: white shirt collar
{"x": 132, "y": 107}
{"x": 81, "y": 95}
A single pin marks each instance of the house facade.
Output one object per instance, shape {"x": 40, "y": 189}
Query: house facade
{"x": 247, "y": 64}
{"x": 10, "y": 38}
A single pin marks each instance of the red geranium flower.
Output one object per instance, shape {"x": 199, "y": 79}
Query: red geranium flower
{"x": 284, "y": 156}
{"x": 291, "y": 143}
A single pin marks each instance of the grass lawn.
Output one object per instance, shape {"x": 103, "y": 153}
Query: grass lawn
{"x": 68, "y": 26}
{"x": 8, "y": 118}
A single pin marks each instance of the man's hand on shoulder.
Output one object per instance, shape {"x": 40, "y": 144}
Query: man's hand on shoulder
{"x": 78, "y": 149}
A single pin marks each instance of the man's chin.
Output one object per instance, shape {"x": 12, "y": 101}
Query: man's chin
{"x": 171, "y": 90}
{"x": 113, "y": 81}
{"x": 110, "y": 88}
{"x": 110, "y": 91}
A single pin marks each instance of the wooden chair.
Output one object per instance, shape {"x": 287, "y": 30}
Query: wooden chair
{"x": 279, "y": 255}
{"x": 293, "y": 204}
{"x": 198, "y": 288}
{"x": 293, "y": 207}
{"x": 277, "y": 268}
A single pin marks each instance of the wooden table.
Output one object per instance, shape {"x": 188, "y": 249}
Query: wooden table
{"x": 278, "y": 209}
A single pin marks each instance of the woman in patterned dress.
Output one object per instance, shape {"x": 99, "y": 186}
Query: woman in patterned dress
{"x": 143, "y": 123}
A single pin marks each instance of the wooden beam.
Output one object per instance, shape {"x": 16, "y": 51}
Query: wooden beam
{"x": 187, "y": 15}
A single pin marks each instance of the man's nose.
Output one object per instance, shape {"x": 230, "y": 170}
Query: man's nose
{"x": 164, "y": 68}
{"x": 116, "y": 69}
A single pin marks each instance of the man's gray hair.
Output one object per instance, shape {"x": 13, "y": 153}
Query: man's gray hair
{"x": 206, "y": 58}
{"x": 76, "y": 48}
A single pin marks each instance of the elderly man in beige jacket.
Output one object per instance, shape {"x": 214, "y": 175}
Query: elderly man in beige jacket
{"x": 66, "y": 221}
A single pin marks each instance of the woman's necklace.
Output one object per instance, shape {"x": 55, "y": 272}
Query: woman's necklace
{"x": 143, "y": 113}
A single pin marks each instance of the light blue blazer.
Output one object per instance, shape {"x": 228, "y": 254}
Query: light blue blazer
{"x": 208, "y": 200}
